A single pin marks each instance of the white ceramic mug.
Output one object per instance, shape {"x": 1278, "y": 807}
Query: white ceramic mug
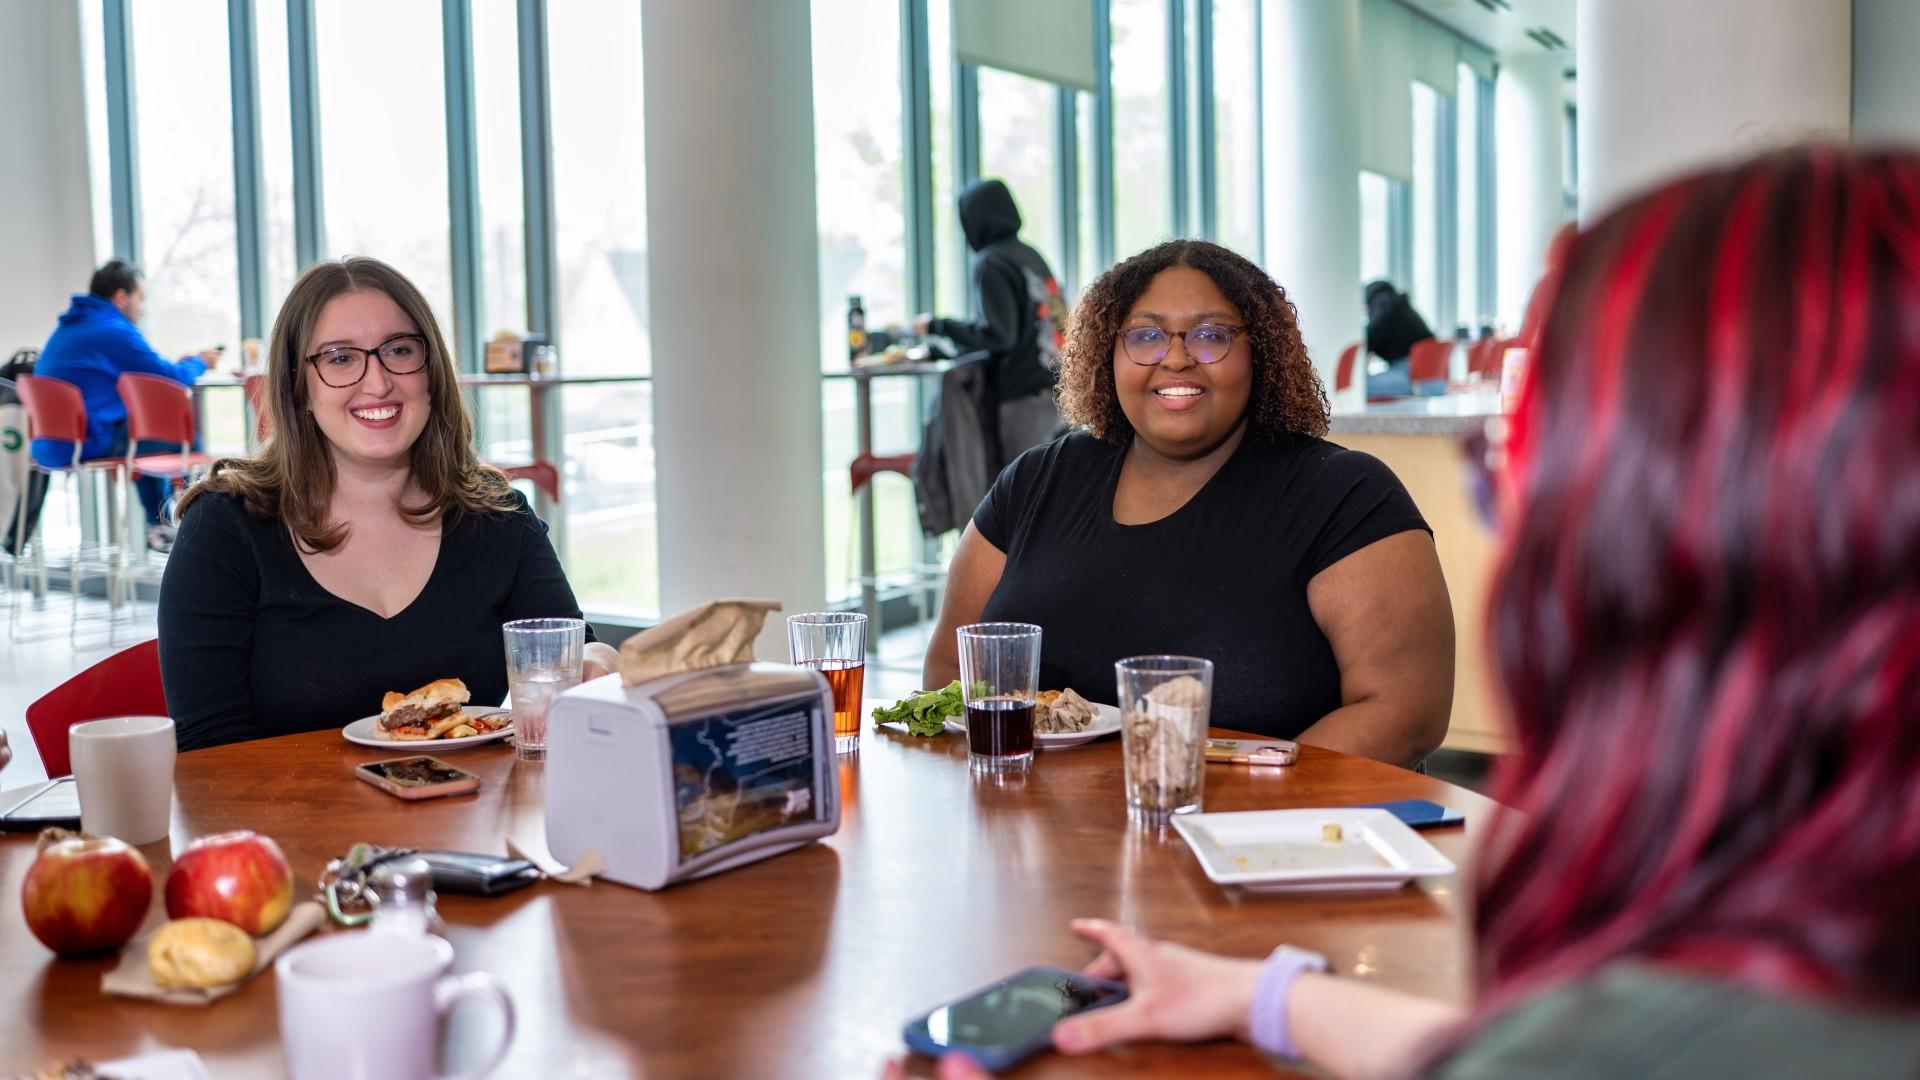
{"x": 124, "y": 770}
{"x": 361, "y": 1006}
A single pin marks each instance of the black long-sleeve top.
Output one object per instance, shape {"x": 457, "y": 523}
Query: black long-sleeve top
{"x": 251, "y": 646}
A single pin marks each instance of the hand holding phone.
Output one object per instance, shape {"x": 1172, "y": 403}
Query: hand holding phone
{"x": 1002, "y": 1025}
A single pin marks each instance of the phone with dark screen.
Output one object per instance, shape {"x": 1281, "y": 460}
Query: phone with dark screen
{"x": 1002, "y": 1025}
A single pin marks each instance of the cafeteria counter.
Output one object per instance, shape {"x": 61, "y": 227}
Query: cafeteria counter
{"x": 1419, "y": 439}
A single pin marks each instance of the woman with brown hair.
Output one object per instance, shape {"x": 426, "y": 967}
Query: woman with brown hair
{"x": 1200, "y": 512}
{"x": 366, "y": 548}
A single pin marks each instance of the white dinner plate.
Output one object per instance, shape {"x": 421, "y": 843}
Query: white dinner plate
{"x": 366, "y": 731}
{"x": 159, "y": 1065}
{"x": 1285, "y": 850}
{"x": 1106, "y": 721}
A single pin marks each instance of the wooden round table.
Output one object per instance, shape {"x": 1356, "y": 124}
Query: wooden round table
{"x": 806, "y": 964}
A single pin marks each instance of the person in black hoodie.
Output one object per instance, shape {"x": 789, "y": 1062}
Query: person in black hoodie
{"x": 1017, "y": 299}
{"x": 1393, "y": 327}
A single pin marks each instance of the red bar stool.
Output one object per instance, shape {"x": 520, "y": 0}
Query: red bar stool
{"x": 55, "y": 410}
{"x": 1427, "y": 362}
{"x": 925, "y": 580}
{"x": 158, "y": 410}
{"x": 1343, "y": 375}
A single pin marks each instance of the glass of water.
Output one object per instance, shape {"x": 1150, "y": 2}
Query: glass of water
{"x": 543, "y": 662}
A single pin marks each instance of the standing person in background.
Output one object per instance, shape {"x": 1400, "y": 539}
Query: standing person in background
{"x": 99, "y": 340}
{"x": 1018, "y": 302}
{"x": 1393, "y": 328}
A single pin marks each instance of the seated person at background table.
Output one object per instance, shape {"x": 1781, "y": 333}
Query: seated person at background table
{"x": 1393, "y": 329}
{"x": 1016, "y": 294}
{"x": 1707, "y": 630}
{"x": 366, "y": 549}
{"x": 1201, "y": 513}
{"x": 98, "y": 340}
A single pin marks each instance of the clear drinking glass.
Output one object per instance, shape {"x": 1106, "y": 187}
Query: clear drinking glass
{"x": 1000, "y": 680}
{"x": 543, "y": 661}
{"x": 1164, "y": 706}
{"x": 834, "y": 643}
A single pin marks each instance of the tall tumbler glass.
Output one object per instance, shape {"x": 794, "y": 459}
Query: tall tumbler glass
{"x": 834, "y": 643}
{"x": 1164, "y": 706}
{"x": 1000, "y": 680}
{"x": 543, "y": 661}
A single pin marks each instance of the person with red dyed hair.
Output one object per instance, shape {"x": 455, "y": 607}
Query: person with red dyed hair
{"x": 1707, "y": 629}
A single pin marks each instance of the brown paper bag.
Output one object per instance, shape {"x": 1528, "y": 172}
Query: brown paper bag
{"x": 716, "y": 633}
{"x": 133, "y": 979}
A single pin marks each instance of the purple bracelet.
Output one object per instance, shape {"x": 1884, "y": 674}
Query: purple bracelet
{"x": 1267, "y": 1019}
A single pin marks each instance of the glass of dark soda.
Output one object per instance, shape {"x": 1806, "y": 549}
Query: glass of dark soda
{"x": 999, "y": 678}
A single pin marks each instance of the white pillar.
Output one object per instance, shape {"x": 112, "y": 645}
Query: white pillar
{"x": 1886, "y": 81}
{"x": 733, "y": 286}
{"x": 1668, "y": 87}
{"x": 1312, "y": 61}
{"x": 48, "y": 232}
{"x": 1530, "y": 125}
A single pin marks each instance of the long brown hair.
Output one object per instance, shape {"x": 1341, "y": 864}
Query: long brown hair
{"x": 1287, "y": 394}
{"x": 292, "y": 478}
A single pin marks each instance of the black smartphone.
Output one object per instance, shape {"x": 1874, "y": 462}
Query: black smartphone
{"x": 55, "y": 804}
{"x": 1002, "y": 1025}
{"x": 1421, "y": 814}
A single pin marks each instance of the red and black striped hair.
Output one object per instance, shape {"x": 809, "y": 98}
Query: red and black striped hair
{"x": 1707, "y": 619}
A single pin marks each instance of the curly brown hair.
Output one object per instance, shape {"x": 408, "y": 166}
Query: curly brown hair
{"x": 1288, "y": 396}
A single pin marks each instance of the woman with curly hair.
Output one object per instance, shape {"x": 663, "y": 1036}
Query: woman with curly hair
{"x": 1201, "y": 512}
{"x": 366, "y": 548}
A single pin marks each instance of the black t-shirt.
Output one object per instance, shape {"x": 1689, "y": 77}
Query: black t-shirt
{"x": 252, "y": 646}
{"x": 1223, "y": 578}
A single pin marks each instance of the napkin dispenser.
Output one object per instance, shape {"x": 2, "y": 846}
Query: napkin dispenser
{"x": 693, "y": 773}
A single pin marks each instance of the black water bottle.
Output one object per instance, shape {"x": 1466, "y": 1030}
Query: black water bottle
{"x": 856, "y": 330}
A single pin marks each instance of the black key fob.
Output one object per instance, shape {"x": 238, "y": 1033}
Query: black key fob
{"x": 478, "y": 875}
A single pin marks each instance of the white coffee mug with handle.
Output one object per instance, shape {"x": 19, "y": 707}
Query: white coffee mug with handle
{"x": 124, "y": 770}
{"x": 359, "y": 1005}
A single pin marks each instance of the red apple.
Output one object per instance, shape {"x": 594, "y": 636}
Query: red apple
{"x": 238, "y": 877}
{"x": 86, "y": 894}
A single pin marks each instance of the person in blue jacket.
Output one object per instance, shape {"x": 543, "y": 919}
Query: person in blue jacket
{"x": 97, "y": 341}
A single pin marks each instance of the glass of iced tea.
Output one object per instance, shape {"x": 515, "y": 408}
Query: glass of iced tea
{"x": 1000, "y": 679}
{"x": 834, "y": 643}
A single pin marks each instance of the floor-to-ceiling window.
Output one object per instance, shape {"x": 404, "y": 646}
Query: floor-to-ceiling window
{"x": 1236, "y": 124}
{"x": 1376, "y": 228}
{"x": 1472, "y": 308}
{"x": 185, "y": 141}
{"x": 1142, "y": 126}
{"x": 1017, "y": 140}
{"x": 600, "y": 240}
{"x": 1424, "y": 287}
{"x": 272, "y": 93}
{"x": 860, "y": 195}
{"x": 383, "y": 138}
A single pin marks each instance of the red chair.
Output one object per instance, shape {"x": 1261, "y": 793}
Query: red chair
{"x": 1478, "y": 354}
{"x": 124, "y": 684}
{"x": 865, "y": 466}
{"x": 255, "y": 387}
{"x": 539, "y": 473}
{"x": 56, "y": 410}
{"x": 1428, "y": 360}
{"x": 160, "y": 410}
{"x": 1343, "y": 375}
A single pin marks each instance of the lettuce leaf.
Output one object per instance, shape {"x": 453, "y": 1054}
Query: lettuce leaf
{"x": 925, "y": 713}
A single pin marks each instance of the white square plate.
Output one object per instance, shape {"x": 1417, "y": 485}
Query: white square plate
{"x": 1283, "y": 850}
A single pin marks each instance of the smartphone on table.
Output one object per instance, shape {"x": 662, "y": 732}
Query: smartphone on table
{"x": 1421, "y": 814}
{"x": 1000, "y": 1026}
{"x": 417, "y": 778}
{"x": 55, "y": 803}
{"x": 1252, "y": 751}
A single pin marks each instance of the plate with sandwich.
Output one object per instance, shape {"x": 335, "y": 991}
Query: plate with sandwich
{"x": 436, "y": 713}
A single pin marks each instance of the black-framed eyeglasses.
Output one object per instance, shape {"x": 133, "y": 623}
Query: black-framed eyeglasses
{"x": 1207, "y": 343}
{"x": 345, "y": 365}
